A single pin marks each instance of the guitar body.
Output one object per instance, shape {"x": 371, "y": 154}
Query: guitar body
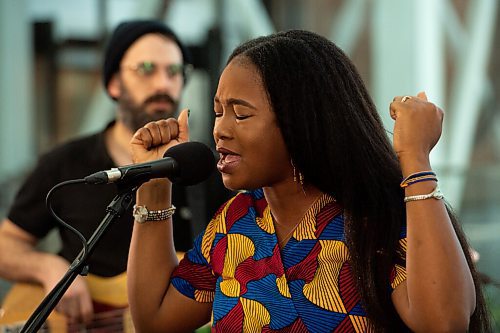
{"x": 110, "y": 306}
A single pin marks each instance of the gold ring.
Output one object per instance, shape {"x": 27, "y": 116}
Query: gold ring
{"x": 405, "y": 98}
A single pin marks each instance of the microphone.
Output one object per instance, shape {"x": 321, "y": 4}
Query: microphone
{"x": 186, "y": 164}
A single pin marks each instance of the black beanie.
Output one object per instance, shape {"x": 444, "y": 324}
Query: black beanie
{"x": 124, "y": 35}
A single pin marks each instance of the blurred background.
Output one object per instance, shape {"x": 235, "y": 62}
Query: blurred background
{"x": 51, "y": 90}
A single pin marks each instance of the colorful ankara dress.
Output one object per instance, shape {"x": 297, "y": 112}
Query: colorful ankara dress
{"x": 306, "y": 287}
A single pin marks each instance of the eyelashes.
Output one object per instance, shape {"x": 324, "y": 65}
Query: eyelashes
{"x": 219, "y": 114}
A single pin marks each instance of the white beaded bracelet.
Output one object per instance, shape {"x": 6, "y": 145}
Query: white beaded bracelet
{"x": 142, "y": 214}
{"x": 436, "y": 194}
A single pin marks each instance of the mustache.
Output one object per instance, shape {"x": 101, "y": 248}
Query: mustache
{"x": 160, "y": 98}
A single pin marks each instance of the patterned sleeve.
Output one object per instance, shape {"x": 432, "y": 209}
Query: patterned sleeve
{"x": 398, "y": 273}
{"x": 194, "y": 277}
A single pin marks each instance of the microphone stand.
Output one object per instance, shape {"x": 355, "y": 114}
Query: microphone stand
{"x": 115, "y": 209}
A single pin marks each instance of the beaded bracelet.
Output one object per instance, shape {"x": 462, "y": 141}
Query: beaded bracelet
{"x": 142, "y": 214}
{"x": 436, "y": 194}
{"x": 161, "y": 214}
{"x": 418, "y": 177}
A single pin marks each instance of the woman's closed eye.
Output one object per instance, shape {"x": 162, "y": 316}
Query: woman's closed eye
{"x": 242, "y": 112}
{"x": 219, "y": 114}
{"x": 218, "y": 111}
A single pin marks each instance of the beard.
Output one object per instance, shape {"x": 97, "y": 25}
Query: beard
{"x": 136, "y": 115}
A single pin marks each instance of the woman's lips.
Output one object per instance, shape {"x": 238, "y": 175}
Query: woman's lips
{"x": 228, "y": 162}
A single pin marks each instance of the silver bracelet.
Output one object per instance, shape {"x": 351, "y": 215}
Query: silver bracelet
{"x": 436, "y": 194}
{"x": 142, "y": 214}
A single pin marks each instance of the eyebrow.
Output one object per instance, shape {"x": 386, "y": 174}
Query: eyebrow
{"x": 235, "y": 101}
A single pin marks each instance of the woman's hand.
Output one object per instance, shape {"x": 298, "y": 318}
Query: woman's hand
{"x": 417, "y": 127}
{"x": 438, "y": 294}
{"x": 150, "y": 142}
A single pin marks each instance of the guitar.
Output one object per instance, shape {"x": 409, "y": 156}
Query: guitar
{"x": 109, "y": 296}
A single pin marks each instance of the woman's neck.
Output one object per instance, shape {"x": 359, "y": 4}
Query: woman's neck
{"x": 289, "y": 202}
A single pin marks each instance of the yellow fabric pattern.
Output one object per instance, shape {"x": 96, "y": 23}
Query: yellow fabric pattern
{"x": 400, "y": 270}
{"x": 283, "y": 286}
{"x": 216, "y": 225}
{"x": 256, "y": 316}
{"x": 241, "y": 248}
{"x": 400, "y": 276}
{"x": 307, "y": 227}
{"x": 403, "y": 244}
{"x": 204, "y": 296}
{"x": 230, "y": 287}
{"x": 266, "y": 222}
{"x": 359, "y": 323}
{"x": 323, "y": 289}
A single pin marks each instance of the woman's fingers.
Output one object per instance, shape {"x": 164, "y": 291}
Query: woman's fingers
{"x": 183, "y": 125}
{"x": 151, "y": 141}
{"x": 418, "y": 123}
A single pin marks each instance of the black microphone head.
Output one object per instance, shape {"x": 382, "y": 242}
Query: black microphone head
{"x": 195, "y": 160}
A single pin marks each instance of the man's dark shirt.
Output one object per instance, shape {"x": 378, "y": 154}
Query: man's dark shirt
{"x": 84, "y": 206}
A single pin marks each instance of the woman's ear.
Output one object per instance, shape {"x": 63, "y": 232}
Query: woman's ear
{"x": 114, "y": 87}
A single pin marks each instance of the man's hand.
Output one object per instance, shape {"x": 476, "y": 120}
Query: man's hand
{"x": 76, "y": 303}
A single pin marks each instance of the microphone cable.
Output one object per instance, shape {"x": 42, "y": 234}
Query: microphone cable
{"x": 48, "y": 204}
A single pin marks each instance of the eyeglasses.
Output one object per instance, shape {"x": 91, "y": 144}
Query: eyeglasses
{"x": 149, "y": 68}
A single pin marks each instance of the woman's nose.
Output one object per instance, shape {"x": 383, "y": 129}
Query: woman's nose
{"x": 222, "y": 127}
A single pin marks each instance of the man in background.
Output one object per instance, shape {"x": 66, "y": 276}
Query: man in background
{"x": 145, "y": 68}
